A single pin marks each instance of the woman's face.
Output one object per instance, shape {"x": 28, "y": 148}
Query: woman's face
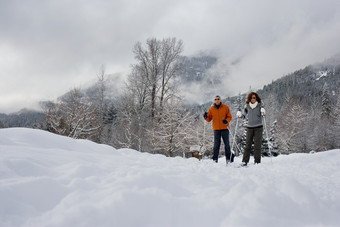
{"x": 253, "y": 99}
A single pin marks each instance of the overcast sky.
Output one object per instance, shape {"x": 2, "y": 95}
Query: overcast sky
{"x": 48, "y": 47}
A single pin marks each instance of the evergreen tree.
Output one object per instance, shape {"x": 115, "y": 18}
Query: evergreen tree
{"x": 273, "y": 138}
{"x": 336, "y": 127}
{"x": 326, "y": 104}
{"x": 325, "y": 137}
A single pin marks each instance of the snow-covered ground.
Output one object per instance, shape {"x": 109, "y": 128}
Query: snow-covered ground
{"x": 50, "y": 180}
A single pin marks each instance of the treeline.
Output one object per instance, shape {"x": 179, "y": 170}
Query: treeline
{"x": 303, "y": 108}
{"x": 24, "y": 118}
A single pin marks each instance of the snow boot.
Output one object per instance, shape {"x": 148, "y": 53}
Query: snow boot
{"x": 244, "y": 164}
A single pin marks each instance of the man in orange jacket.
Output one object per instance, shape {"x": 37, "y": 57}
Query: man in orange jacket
{"x": 220, "y": 114}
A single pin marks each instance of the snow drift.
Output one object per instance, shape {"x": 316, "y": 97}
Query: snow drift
{"x": 50, "y": 180}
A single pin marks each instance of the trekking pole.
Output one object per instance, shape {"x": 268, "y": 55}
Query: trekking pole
{"x": 265, "y": 127}
{"x": 202, "y": 149}
{"x": 234, "y": 139}
{"x": 232, "y": 146}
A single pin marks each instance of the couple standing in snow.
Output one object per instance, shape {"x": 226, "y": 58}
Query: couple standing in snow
{"x": 221, "y": 116}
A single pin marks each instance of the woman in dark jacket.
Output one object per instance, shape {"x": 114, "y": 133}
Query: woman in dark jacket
{"x": 254, "y": 128}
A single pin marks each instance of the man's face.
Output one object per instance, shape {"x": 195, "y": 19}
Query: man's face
{"x": 217, "y": 100}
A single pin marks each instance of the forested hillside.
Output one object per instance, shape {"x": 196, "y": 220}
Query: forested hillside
{"x": 302, "y": 108}
{"x": 24, "y": 118}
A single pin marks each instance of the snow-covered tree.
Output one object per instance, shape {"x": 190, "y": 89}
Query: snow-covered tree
{"x": 203, "y": 135}
{"x": 148, "y": 88}
{"x": 273, "y": 138}
{"x": 109, "y": 121}
{"x": 74, "y": 116}
{"x": 125, "y": 134}
{"x": 138, "y": 89}
{"x": 291, "y": 128}
{"x": 326, "y": 104}
{"x": 336, "y": 128}
{"x": 239, "y": 102}
{"x": 100, "y": 98}
{"x": 270, "y": 105}
{"x": 171, "y": 134}
{"x": 323, "y": 132}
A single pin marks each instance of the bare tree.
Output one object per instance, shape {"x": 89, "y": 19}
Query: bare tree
{"x": 203, "y": 135}
{"x": 101, "y": 95}
{"x": 148, "y": 87}
{"x": 74, "y": 116}
{"x": 138, "y": 89}
{"x": 171, "y": 50}
{"x": 148, "y": 66}
{"x": 173, "y": 130}
{"x": 125, "y": 127}
{"x": 157, "y": 64}
{"x": 291, "y": 128}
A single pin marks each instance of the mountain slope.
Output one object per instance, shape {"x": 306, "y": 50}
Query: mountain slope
{"x": 307, "y": 83}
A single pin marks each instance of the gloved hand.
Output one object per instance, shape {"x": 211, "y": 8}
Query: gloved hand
{"x": 225, "y": 121}
{"x": 205, "y": 115}
{"x": 239, "y": 114}
{"x": 263, "y": 111}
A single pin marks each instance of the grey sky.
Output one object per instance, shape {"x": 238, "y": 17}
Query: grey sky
{"x": 48, "y": 47}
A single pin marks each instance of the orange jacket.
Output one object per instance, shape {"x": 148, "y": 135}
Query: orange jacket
{"x": 218, "y": 115}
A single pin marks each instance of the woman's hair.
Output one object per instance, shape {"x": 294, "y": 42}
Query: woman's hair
{"x": 258, "y": 99}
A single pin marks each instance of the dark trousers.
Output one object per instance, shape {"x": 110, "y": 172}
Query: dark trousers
{"x": 253, "y": 134}
{"x": 217, "y": 143}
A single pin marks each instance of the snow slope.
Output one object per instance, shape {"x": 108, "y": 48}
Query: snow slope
{"x": 50, "y": 180}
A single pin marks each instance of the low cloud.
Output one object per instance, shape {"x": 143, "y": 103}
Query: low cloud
{"x": 49, "y": 47}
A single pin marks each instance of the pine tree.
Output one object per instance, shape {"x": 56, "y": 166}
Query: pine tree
{"x": 336, "y": 127}
{"x": 326, "y": 104}
{"x": 273, "y": 138}
{"x": 324, "y": 130}
{"x": 239, "y": 101}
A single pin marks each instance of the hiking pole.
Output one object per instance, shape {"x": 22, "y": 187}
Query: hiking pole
{"x": 234, "y": 139}
{"x": 202, "y": 148}
{"x": 265, "y": 127}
